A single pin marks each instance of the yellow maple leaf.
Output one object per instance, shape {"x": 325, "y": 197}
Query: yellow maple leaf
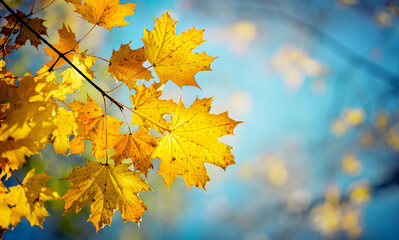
{"x": 5, "y": 211}
{"x": 65, "y": 126}
{"x": 149, "y": 109}
{"x": 138, "y": 146}
{"x": 67, "y": 44}
{"x": 28, "y": 122}
{"x": 106, "y": 188}
{"x": 83, "y": 63}
{"x": 107, "y": 127}
{"x": 104, "y": 13}
{"x": 95, "y": 125}
{"x": 77, "y": 145}
{"x": 6, "y": 81}
{"x": 171, "y": 54}
{"x": 27, "y": 200}
{"x": 192, "y": 140}
{"x": 89, "y": 113}
{"x": 126, "y": 65}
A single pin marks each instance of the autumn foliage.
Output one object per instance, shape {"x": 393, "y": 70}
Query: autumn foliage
{"x": 35, "y": 112}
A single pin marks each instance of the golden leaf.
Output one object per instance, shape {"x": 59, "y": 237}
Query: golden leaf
{"x": 149, "y": 109}
{"x": 67, "y": 44}
{"x": 5, "y": 211}
{"x": 95, "y": 124}
{"x": 192, "y": 140}
{"x": 106, "y": 188}
{"x": 65, "y": 126}
{"x": 104, "y": 13}
{"x": 126, "y": 65}
{"x": 138, "y": 146}
{"x": 83, "y": 63}
{"x": 171, "y": 54}
{"x": 27, "y": 200}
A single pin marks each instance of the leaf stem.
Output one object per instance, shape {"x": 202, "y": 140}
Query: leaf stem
{"x": 127, "y": 123}
{"x": 105, "y": 60}
{"x": 91, "y": 29}
{"x": 134, "y": 112}
{"x": 123, "y": 83}
{"x": 106, "y": 130}
{"x": 13, "y": 173}
{"x": 33, "y": 5}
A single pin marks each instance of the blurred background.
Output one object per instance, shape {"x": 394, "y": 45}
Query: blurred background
{"x": 316, "y": 84}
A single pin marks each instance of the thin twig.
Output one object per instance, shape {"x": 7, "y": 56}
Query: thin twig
{"x": 105, "y": 60}
{"x": 9, "y": 35}
{"x": 91, "y": 29}
{"x": 127, "y": 123}
{"x": 131, "y": 78}
{"x": 43, "y": 8}
{"x": 33, "y": 5}
{"x": 13, "y": 173}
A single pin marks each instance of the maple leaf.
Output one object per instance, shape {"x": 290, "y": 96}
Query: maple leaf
{"x": 95, "y": 123}
{"x": 106, "y": 188}
{"x": 149, "y": 109}
{"x": 104, "y": 13}
{"x": 171, "y": 54}
{"x": 83, "y": 63}
{"x": 77, "y": 145}
{"x": 7, "y": 47}
{"x": 65, "y": 126}
{"x": 6, "y": 81}
{"x": 191, "y": 141}
{"x": 24, "y": 34}
{"x": 67, "y": 44}
{"x": 5, "y": 210}
{"x": 27, "y": 200}
{"x": 89, "y": 114}
{"x": 138, "y": 146}
{"x": 102, "y": 141}
{"x": 126, "y": 65}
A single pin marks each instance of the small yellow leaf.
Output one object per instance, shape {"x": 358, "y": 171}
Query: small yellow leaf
{"x": 171, "y": 54}
{"x": 83, "y": 63}
{"x": 126, "y": 65}
{"x": 149, "y": 110}
{"x": 26, "y": 200}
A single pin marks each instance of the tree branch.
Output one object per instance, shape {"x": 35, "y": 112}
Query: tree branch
{"x": 60, "y": 54}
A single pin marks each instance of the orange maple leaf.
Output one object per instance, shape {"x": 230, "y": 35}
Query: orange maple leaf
{"x": 95, "y": 124}
{"x": 104, "y": 13}
{"x": 137, "y": 146}
{"x": 67, "y": 44}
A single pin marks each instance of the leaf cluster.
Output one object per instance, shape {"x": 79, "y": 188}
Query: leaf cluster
{"x": 34, "y": 112}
